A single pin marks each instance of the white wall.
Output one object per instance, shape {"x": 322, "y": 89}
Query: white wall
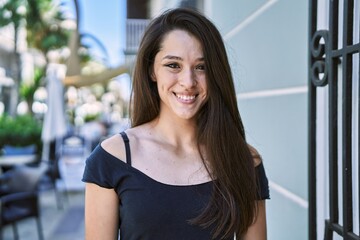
{"x": 267, "y": 46}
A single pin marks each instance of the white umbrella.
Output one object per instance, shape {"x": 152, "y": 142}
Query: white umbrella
{"x": 54, "y": 125}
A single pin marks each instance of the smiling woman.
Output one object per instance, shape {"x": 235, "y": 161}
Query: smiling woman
{"x": 184, "y": 169}
{"x": 179, "y": 73}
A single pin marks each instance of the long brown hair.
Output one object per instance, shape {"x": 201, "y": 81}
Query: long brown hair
{"x": 232, "y": 207}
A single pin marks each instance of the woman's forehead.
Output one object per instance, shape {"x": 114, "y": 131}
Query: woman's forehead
{"x": 177, "y": 43}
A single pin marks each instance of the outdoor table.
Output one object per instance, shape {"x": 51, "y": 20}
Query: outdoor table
{"x": 12, "y": 160}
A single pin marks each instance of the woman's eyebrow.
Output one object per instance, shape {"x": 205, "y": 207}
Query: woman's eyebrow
{"x": 172, "y": 57}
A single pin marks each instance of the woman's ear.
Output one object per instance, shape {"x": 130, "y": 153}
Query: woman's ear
{"x": 153, "y": 77}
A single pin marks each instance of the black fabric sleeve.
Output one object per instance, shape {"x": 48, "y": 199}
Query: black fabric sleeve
{"x": 262, "y": 182}
{"x": 99, "y": 169}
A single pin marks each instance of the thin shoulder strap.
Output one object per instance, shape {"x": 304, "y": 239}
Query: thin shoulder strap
{"x": 127, "y": 147}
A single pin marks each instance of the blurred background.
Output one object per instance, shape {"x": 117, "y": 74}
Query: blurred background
{"x": 65, "y": 81}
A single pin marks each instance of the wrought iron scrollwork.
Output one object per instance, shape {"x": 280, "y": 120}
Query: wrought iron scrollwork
{"x": 320, "y": 54}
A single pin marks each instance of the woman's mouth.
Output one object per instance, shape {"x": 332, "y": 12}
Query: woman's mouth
{"x": 186, "y": 97}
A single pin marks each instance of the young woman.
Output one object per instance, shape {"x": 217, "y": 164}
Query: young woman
{"x": 184, "y": 169}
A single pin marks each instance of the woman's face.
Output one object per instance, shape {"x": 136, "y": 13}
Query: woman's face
{"x": 179, "y": 71}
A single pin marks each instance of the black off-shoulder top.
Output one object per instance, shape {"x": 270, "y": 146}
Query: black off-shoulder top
{"x": 151, "y": 210}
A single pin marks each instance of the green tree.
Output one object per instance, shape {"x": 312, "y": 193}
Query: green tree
{"x": 44, "y": 26}
{"x": 14, "y": 12}
{"x": 42, "y": 20}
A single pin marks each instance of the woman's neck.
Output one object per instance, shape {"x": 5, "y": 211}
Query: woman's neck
{"x": 175, "y": 131}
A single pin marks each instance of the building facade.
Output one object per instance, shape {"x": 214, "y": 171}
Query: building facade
{"x": 267, "y": 47}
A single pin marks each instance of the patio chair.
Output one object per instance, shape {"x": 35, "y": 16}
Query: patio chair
{"x": 73, "y": 148}
{"x": 72, "y": 152}
{"x": 49, "y": 180}
{"x": 67, "y": 151}
{"x": 19, "y": 197}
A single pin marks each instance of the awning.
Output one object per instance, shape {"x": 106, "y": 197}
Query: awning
{"x": 102, "y": 77}
{"x": 73, "y": 74}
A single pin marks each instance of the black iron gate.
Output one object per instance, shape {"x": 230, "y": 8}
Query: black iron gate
{"x": 331, "y": 65}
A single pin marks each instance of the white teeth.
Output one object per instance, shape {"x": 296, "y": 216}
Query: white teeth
{"x": 185, "y": 97}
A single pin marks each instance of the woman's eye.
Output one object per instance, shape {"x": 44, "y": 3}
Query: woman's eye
{"x": 172, "y": 65}
{"x": 200, "y": 67}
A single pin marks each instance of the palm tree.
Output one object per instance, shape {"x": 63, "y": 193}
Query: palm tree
{"x": 42, "y": 20}
{"x": 14, "y": 12}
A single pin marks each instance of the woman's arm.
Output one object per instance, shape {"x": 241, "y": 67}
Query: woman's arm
{"x": 257, "y": 231}
{"x": 101, "y": 213}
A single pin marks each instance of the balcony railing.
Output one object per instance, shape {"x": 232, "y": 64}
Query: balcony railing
{"x": 134, "y": 30}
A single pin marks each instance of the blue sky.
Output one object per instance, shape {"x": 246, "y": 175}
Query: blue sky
{"x": 106, "y": 21}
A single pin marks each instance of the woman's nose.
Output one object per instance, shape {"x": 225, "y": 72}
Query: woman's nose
{"x": 187, "y": 78}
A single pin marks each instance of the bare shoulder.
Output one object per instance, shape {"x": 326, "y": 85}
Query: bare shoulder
{"x": 115, "y": 146}
{"x": 138, "y": 133}
{"x": 256, "y": 155}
